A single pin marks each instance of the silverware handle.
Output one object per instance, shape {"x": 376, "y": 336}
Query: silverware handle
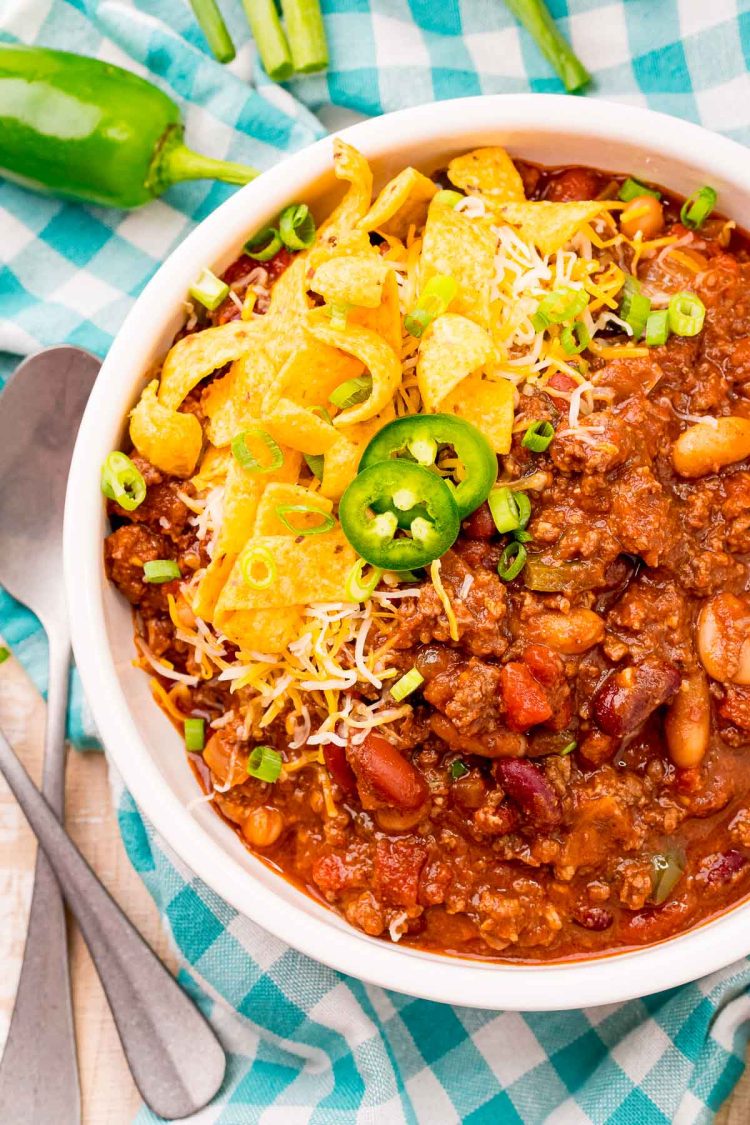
{"x": 176, "y": 1061}
{"x": 39, "y": 1069}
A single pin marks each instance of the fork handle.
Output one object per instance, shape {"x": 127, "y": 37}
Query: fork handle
{"x": 39, "y": 1071}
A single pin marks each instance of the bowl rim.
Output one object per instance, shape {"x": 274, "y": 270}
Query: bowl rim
{"x": 514, "y": 986}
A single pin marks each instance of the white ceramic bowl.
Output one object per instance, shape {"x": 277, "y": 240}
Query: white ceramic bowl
{"x": 144, "y": 746}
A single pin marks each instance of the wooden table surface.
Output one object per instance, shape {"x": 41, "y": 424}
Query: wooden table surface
{"x": 108, "y": 1094}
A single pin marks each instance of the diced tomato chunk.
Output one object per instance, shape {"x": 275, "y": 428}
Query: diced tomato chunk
{"x": 398, "y": 864}
{"x": 524, "y": 698}
{"x": 559, "y": 382}
{"x": 545, "y": 664}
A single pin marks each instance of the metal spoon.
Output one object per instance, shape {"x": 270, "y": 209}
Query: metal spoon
{"x": 176, "y": 1061}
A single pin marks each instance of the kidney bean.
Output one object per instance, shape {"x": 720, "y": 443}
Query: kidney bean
{"x": 625, "y": 699}
{"x": 383, "y": 773}
{"x": 723, "y": 868}
{"x": 480, "y": 524}
{"x": 339, "y": 768}
{"x": 528, "y": 787}
{"x": 573, "y": 183}
{"x": 593, "y": 918}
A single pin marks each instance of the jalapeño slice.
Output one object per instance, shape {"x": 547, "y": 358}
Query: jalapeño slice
{"x": 418, "y": 438}
{"x": 368, "y": 508}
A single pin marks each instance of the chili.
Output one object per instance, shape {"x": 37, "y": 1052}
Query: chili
{"x": 87, "y": 130}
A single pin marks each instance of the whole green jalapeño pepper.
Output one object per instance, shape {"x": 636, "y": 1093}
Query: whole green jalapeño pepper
{"x": 419, "y": 438}
{"x": 401, "y": 486}
{"x": 87, "y": 130}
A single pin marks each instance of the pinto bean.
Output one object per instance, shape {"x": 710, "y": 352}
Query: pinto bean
{"x": 706, "y": 447}
{"x": 490, "y": 744}
{"x": 401, "y": 820}
{"x": 384, "y": 776}
{"x": 528, "y": 787}
{"x": 723, "y": 638}
{"x": 687, "y": 725}
{"x": 625, "y": 699}
{"x": 570, "y": 633}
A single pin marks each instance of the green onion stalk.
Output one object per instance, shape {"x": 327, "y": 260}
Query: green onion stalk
{"x": 270, "y": 39}
{"x": 307, "y": 37}
{"x": 535, "y": 17}
{"x": 215, "y": 30}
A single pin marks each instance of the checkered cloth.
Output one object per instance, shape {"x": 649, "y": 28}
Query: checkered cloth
{"x": 304, "y": 1043}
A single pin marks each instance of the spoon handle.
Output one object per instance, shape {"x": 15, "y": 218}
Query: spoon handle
{"x": 175, "y": 1059}
{"x": 39, "y": 1070}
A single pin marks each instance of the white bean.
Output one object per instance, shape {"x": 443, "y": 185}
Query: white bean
{"x": 687, "y": 724}
{"x": 707, "y": 446}
{"x": 723, "y": 638}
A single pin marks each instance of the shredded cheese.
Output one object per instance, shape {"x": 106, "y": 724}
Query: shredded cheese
{"x": 437, "y": 582}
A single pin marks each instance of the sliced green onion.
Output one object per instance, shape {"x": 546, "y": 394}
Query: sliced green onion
{"x": 568, "y": 749}
{"x": 504, "y": 508}
{"x": 122, "y": 482}
{"x": 208, "y": 289}
{"x": 315, "y": 463}
{"x": 338, "y": 312}
{"x": 358, "y": 588}
{"x": 264, "y": 245}
{"x": 558, "y": 307}
{"x": 634, "y": 307}
{"x": 161, "y": 570}
{"x": 297, "y": 227}
{"x": 512, "y": 561}
{"x": 4, "y": 654}
{"x": 407, "y": 684}
{"x": 448, "y": 197}
{"x": 697, "y": 208}
{"x": 352, "y": 392}
{"x": 686, "y": 314}
{"x": 522, "y": 536}
{"x": 524, "y": 507}
{"x": 270, "y": 39}
{"x": 249, "y": 462}
{"x": 433, "y": 301}
{"x": 195, "y": 735}
{"x": 213, "y": 27}
{"x": 657, "y": 328}
{"x": 538, "y": 436}
{"x": 574, "y": 338}
{"x": 264, "y": 763}
{"x": 458, "y": 769}
{"x": 326, "y": 519}
{"x": 666, "y": 872}
{"x": 632, "y": 189}
{"x": 254, "y": 557}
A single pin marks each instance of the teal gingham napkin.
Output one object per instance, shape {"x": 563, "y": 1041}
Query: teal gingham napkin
{"x": 304, "y": 1043}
